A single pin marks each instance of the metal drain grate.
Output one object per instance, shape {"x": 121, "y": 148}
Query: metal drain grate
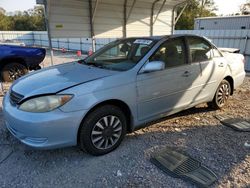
{"x": 235, "y": 123}
{"x": 187, "y": 166}
{"x": 178, "y": 165}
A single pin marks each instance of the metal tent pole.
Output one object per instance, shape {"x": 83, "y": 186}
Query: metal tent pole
{"x": 125, "y": 19}
{"x": 159, "y": 11}
{"x": 126, "y": 15}
{"x": 152, "y": 17}
{"x": 91, "y": 25}
{"x": 48, "y": 31}
{"x": 174, "y": 21}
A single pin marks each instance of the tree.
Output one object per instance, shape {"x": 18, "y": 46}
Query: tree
{"x": 5, "y": 23}
{"x": 195, "y": 9}
{"x": 31, "y": 20}
{"x": 245, "y": 8}
{"x": 2, "y": 11}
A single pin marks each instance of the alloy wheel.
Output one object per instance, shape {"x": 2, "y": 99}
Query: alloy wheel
{"x": 106, "y": 132}
{"x": 223, "y": 94}
{"x": 15, "y": 73}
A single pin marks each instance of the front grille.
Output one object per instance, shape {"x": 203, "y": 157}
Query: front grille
{"x": 15, "y": 98}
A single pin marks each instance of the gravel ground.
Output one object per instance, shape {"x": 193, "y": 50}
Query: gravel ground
{"x": 194, "y": 131}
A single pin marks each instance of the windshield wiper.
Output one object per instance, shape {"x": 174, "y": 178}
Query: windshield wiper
{"x": 82, "y": 61}
{"x": 99, "y": 65}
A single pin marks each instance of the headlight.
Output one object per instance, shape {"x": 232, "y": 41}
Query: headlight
{"x": 45, "y": 103}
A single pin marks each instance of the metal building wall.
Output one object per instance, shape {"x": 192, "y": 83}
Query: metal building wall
{"x": 239, "y": 39}
{"x": 71, "y": 18}
{"x": 225, "y": 23}
{"x": 139, "y": 21}
{"x": 68, "y": 18}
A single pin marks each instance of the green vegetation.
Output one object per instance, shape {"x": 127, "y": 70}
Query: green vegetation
{"x": 195, "y": 9}
{"x": 245, "y": 8}
{"x": 31, "y": 20}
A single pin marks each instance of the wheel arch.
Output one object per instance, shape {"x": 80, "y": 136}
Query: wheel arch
{"x": 7, "y": 60}
{"x": 231, "y": 82}
{"x": 116, "y": 102}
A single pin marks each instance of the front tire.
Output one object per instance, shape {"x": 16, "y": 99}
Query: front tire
{"x": 103, "y": 130}
{"x": 222, "y": 95}
{"x": 13, "y": 71}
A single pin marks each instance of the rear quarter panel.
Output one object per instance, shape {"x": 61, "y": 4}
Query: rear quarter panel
{"x": 236, "y": 68}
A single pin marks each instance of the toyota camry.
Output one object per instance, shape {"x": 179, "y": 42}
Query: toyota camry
{"x": 94, "y": 102}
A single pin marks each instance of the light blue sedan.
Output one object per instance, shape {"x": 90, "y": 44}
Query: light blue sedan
{"x": 94, "y": 102}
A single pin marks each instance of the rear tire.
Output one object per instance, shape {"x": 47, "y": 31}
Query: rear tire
{"x": 103, "y": 130}
{"x": 12, "y": 71}
{"x": 221, "y": 96}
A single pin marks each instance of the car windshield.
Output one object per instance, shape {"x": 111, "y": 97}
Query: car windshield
{"x": 120, "y": 55}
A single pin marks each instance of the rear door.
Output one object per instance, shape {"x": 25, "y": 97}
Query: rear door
{"x": 202, "y": 53}
{"x": 167, "y": 90}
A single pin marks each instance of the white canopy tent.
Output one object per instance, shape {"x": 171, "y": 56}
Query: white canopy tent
{"x": 110, "y": 18}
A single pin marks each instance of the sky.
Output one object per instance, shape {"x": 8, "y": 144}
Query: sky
{"x": 228, "y": 6}
{"x": 13, "y": 5}
{"x": 225, "y": 6}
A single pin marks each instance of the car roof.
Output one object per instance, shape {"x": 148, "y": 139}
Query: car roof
{"x": 157, "y": 38}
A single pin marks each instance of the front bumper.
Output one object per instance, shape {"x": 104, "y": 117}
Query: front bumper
{"x": 48, "y": 130}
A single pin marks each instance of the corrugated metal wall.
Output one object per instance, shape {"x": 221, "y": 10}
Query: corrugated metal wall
{"x": 40, "y": 38}
{"x": 70, "y": 18}
{"x": 24, "y": 36}
{"x": 139, "y": 21}
{"x": 226, "y": 38}
{"x": 225, "y": 23}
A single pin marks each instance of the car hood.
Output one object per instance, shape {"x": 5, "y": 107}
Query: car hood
{"x": 57, "y": 78}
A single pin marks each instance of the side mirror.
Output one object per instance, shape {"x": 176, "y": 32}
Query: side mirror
{"x": 153, "y": 66}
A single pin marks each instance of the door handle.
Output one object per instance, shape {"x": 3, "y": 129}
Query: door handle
{"x": 186, "y": 74}
{"x": 221, "y": 65}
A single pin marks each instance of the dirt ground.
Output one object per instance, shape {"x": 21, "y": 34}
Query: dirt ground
{"x": 195, "y": 131}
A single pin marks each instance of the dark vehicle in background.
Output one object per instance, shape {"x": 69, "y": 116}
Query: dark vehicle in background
{"x": 16, "y": 61}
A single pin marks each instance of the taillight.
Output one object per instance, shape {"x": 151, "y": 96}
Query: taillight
{"x": 244, "y": 61}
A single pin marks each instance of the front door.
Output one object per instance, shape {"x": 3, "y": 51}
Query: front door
{"x": 167, "y": 90}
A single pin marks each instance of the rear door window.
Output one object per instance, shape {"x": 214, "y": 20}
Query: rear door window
{"x": 216, "y": 53}
{"x": 200, "y": 50}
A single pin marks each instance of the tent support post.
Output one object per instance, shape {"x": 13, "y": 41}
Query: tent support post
{"x": 91, "y": 25}
{"x": 183, "y": 9}
{"x": 95, "y": 8}
{"x": 159, "y": 11}
{"x": 152, "y": 17}
{"x": 124, "y": 31}
{"x": 131, "y": 9}
{"x": 48, "y": 30}
{"x": 174, "y": 21}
